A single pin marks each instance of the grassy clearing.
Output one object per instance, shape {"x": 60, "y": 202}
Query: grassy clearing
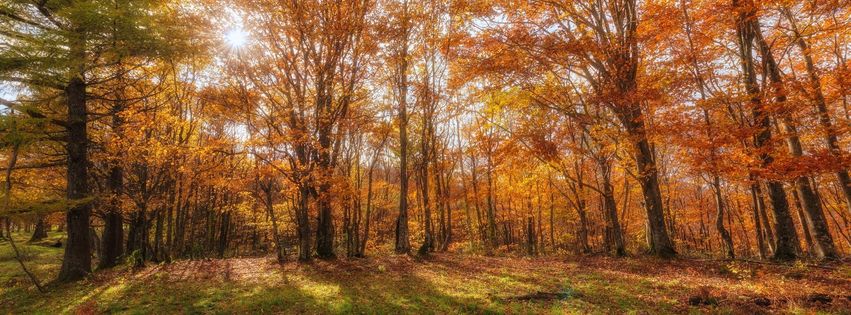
{"x": 443, "y": 283}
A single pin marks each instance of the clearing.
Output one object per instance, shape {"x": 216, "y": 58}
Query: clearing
{"x": 442, "y": 283}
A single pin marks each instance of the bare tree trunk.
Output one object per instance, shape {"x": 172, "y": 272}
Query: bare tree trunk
{"x": 77, "y": 260}
{"x": 719, "y": 219}
{"x": 403, "y": 243}
{"x": 613, "y": 227}
{"x": 303, "y": 223}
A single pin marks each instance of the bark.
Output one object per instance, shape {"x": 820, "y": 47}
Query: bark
{"x": 224, "y": 234}
{"x": 428, "y": 242}
{"x": 303, "y": 223}
{"x": 787, "y": 237}
{"x": 112, "y": 240}
{"x": 719, "y": 219}
{"x": 40, "y": 231}
{"x": 268, "y": 202}
{"x": 112, "y": 247}
{"x": 613, "y": 228}
{"x": 531, "y": 239}
{"x": 77, "y": 261}
{"x": 403, "y": 243}
{"x": 824, "y": 246}
{"x": 830, "y": 133}
{"x": 491, "y": 210}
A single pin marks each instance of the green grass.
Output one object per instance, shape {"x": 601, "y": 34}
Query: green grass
{"x": 42, "y": 259}
{"x": 390, "y": 284}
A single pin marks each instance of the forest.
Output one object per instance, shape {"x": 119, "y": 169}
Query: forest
{"x": 434, "y": 156}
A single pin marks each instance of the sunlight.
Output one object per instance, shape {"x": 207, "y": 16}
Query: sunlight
{"x": 236, "y": 37}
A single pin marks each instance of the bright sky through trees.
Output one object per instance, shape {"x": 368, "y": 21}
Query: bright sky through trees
{"x": 236, "y": 37}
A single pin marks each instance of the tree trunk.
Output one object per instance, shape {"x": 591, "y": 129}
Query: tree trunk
{"x": 719, "y": 219}
{"x": 825, "y": 120}
{"x": 77, "y": 261}
{"x": 303, "y": 223}
{"x": 758, "y": 228}
{"x": 787, "y": 237}
{"x": 40, "y": 231}
{"x": 224, "y": 234}
{"x": 403, "y": 243}
{"x": 810, "y": 202}
{"x": 613, "y": 227}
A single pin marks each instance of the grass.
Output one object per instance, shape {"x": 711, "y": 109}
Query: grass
{"x": 442, "y": 283}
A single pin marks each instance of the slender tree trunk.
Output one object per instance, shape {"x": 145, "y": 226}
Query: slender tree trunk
{"x": 719, "y": 219}
{"x": 403, "y": 243}
{"x": 824, "y": 246}
{"x": 613, "y": 227}
{"x": 303, "y": 223}
{"x": 224, "y": 234}
{"x": 787, "y": 237}
{"x": 830, "y": 134}
{"x": 491, "y": 211}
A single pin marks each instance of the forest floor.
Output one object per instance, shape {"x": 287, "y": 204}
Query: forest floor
{"x": 441, "y": 283}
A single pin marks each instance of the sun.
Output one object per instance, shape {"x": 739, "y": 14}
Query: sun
{"x": 236, "y": 37}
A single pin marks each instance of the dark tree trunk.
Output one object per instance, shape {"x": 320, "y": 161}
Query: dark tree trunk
{"x": 614, "y": 233}
{"x": 403, "y": 243}
{"x": 324, "y": 223}
{"x": 787, "y": 237}
{"x": 660, "y": 243}
{"x": 726, "y": 239}
{"x": 491, "y": 210}
{"x": 428, "y": 241}
{"x": 77, "y": 260}
{"x": 303, "y": 223}
{"x": 113, "y": 230}
{"x": 40, "y": 231}
{"x": 531, "y": 239}
{"x": 224, "y": 234}
{"x": 824, "y": 246}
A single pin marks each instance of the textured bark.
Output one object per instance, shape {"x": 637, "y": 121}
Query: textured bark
{"x": 787, "y": 237}
{"x": 224, "y": 234}
{"x": 823, "y": 241}
{"x": 112, "y": 245}
{"x": 648, "y": 177}
{"x": 531, "y": 239}
{"x": 324, "y": 222}
{"x": 830, "y": 133}
{"x": 403, "y": 242}
{"x": 77, "y": 261}
{"x": 719, "y": 219}
{"x": 614, "y": 234}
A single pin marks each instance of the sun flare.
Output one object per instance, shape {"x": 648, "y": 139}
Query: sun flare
{"x": 236, "y": 38}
